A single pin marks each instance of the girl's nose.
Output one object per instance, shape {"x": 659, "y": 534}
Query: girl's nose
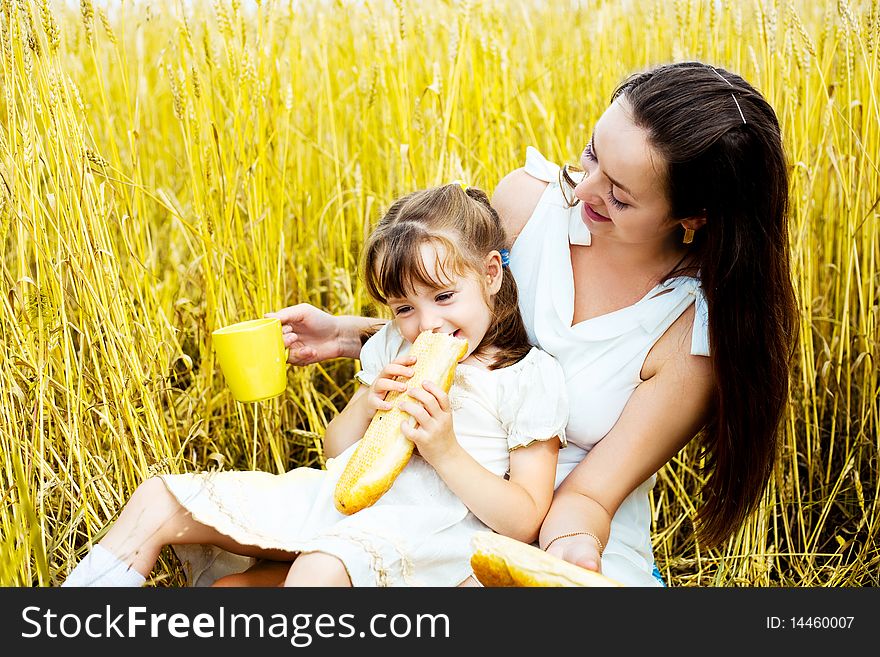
{"x": 430, "y": 322}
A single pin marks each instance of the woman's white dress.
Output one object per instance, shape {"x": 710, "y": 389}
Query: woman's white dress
{"x": 418, "y": 533}
{"x": 602, "y": 357}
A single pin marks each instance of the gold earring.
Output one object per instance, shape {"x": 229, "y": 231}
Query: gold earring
{"x": 688, "y": 236}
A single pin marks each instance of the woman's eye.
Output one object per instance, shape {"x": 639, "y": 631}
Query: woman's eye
{"x": 620, "y": 205}
{"x": 588, "y": 153}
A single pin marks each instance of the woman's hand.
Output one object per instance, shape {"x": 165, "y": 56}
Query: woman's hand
{"x": 310, "y": 335}
{"x": 581, "y": 550}
{"x": 432, "y": 433}
{"x": 393, "y": 377}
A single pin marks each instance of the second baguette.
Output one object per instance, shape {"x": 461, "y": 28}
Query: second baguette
{"x": 502, "y": 561}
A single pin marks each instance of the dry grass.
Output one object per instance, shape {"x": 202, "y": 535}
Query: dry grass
{"x": 170, "y": 167}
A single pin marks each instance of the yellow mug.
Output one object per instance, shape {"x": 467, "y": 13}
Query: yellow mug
{"x": 252, "y": 358}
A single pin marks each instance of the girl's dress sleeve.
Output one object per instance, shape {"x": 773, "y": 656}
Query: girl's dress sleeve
{"x": 533, "y": 404}
{"x": 380, "y": 349}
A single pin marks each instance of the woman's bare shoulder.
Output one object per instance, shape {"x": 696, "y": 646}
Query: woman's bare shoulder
{"x": 515, "y": 199}
{"x": 673, "y": 351}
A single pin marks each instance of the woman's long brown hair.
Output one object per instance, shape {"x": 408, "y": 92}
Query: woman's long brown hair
{"x": 724, "y": 158}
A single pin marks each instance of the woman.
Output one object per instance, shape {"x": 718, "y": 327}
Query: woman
{"x": 659, "y": 278}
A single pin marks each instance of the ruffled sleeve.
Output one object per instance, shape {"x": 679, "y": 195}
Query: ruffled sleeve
{"x": 533, "y": 401}
{"x": 380, "y": 349}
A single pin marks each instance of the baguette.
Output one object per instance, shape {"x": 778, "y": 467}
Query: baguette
{"x": 502, "y": 561}
{"x": 384, "y": 451}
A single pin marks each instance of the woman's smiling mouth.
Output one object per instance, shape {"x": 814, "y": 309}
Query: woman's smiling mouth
{"x": 591, "y": 214}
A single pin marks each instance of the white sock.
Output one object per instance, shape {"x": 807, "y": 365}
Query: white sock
{"x": 100, "y": 567}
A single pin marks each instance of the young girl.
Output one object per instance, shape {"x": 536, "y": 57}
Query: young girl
{"x": 485, "y": 453}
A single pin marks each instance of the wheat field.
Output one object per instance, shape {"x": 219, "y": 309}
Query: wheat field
{"x": 170, "y": 167}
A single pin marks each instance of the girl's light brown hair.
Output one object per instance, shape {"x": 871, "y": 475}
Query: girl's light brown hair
{"x": 461, "y": 224}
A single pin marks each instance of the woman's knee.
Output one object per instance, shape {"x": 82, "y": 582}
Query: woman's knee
{"x": 245, "y": 580}
{"x": 235, "y": 580}
{"x": 317, "y": 569}
{"x": 263, "y": 574}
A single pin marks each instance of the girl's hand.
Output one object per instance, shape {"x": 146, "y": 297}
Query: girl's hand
{"x": 432, "y": 433}
{"x": 581, "y": 550}
{"x": 392, "y": 377}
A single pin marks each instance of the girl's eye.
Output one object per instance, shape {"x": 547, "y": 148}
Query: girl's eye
{"x": 446, "y": 296}
{"x": 401, "y": 310}
{"x": 620, "y": 205}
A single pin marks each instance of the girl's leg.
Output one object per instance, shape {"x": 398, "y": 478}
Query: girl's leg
{"x": 152, "y": 519}
{"x": 317, "y": 569}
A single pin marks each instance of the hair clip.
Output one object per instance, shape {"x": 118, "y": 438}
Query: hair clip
{"x": 505, "y": 257}
{"x": 736, "y": 102}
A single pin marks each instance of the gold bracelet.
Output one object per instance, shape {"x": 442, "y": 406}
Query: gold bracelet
{"x": 591, "y": 534}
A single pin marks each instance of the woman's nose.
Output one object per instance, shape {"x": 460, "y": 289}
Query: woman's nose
{"x": 589, "y": 188}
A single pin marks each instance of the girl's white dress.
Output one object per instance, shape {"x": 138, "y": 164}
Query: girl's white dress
{"x": 418, "y": 533}
{"x": 602, "y": 357}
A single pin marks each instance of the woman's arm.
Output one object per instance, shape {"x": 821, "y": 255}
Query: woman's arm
{"x": 660, "y": 418}
{"x": 312, "y": 335}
